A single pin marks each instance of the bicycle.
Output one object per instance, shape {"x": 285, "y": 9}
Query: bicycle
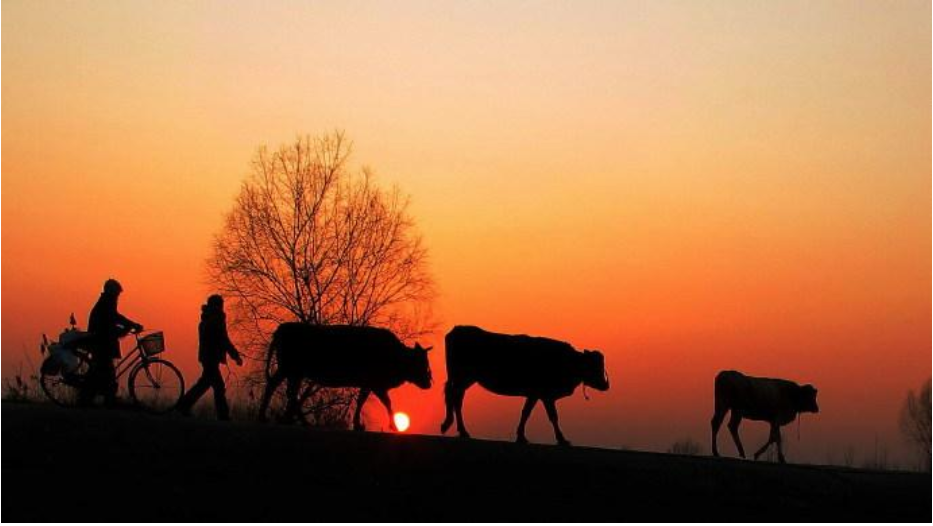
{"x": 154, "y": 384}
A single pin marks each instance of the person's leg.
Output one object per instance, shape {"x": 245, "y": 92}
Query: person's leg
{"x": 108, "y": 378}
{"x": 220, "y": 392}
{"x": 92, "y": 382}
{"x": 195, "y": 393}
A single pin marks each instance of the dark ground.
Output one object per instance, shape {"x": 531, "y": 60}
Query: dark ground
{"x": 149, "y": 468}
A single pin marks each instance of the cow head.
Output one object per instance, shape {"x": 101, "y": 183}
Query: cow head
{"x": 594, "y": 370}
{"x": 419, "y": 370}
{"x": 806, "y": 399}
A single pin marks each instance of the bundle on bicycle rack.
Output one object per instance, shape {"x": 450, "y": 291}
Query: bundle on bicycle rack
{"x": 61, "y": 354}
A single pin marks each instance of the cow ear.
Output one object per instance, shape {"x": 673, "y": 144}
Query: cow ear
{"x": 429, "y": 348}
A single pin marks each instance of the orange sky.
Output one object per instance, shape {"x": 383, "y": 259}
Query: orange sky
{"x": 686, "y": 186}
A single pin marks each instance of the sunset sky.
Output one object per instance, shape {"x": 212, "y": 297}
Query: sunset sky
{"x": 687, "y": 186}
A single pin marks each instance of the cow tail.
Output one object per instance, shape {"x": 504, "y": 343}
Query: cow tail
{"x": 273, "y": 345}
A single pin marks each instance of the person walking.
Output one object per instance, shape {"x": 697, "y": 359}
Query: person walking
{"x": 213, "y": 347}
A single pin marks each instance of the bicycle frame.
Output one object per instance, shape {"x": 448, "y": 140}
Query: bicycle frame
{"x": 128, "y": 362}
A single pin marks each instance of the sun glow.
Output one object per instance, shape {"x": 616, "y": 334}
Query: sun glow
{"x": 401, "y": 422}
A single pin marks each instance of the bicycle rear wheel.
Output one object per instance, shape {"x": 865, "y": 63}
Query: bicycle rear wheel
{"x": 156, "y": 385}
{"x": 64, "y": 389}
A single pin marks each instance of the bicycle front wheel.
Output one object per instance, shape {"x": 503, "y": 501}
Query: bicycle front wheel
{"x": 156, "y": 385}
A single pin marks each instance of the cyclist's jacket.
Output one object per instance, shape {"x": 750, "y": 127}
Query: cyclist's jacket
{"x": 108, "y": 326}
{"x": 213, "y": 342}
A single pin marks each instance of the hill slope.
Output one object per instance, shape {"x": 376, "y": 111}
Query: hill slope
{"x": 97, "y": 465}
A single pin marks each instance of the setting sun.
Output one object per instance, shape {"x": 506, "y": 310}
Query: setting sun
{"x": 401, "y": 422}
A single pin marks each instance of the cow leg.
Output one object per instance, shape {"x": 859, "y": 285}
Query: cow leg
{"x": 383, "y": 397}
{"x": 776, "y": 431}
{"x": 765, "y": 447}
{"x": 551, "y": 409}
{"x": 271, "y": 385}
{"x": 734, "y": 422}
{"x": 360, "y": 400}
{"x": 449, "y": 403}
{"x": 458, "y": 393}
{"x": 716, "y": 423}
{"x": 292, "y": 388}
{"x": 773, "y": 437}
{"x": 526, "y": 412}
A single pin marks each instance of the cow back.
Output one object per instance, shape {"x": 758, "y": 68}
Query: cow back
{"x": 341, "y": 355}
{"x": 768, "y": 399}
{"x": 516, "y": 365}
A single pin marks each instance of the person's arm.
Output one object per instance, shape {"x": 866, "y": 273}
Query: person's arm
{"x": 235, "y": 354}
{"x": 227, "y": 344}
{"x": 128, "y": 323}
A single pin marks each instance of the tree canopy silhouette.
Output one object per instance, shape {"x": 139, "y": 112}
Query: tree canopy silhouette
{"x": 310, "y": 239}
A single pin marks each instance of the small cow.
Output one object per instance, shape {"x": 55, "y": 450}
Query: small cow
{"x": 536, "y": 368}
{"x": 372, "y": 359}
{"x": 775, "y": 401}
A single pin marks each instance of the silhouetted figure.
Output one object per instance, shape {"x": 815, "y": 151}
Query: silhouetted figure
{"x": 775, "y": 401}
{"x": 372, "y": 359}
{"x": 107, "y": 326}
{"x": 536, "y": 368}
{"x": 213, "y": 347}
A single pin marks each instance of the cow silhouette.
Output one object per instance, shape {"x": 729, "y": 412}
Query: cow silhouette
{"x": 369, "y": 358}
{"x": 771, "y": 400}
{"x": 517, "y": 365}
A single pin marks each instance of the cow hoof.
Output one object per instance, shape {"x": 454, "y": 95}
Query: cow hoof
{"x": 464, "y": 434}
{"x": 521, "y": 440}
{"x": 359, "y": 428}
{"x": 444, "y": 427}
{"x": 564, "y": 443}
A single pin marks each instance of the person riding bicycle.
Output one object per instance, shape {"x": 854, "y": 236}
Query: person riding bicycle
{"x": 213, "y": 347}
{"x": 107, "y": 326}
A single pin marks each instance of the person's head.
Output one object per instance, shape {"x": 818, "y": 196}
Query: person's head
{"x": 112, "y": 287}
{"x": 215, "y": 301}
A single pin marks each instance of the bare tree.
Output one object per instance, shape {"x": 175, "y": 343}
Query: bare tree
{"x": 311, "y": 240}
{"x": 915, "y": 422}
